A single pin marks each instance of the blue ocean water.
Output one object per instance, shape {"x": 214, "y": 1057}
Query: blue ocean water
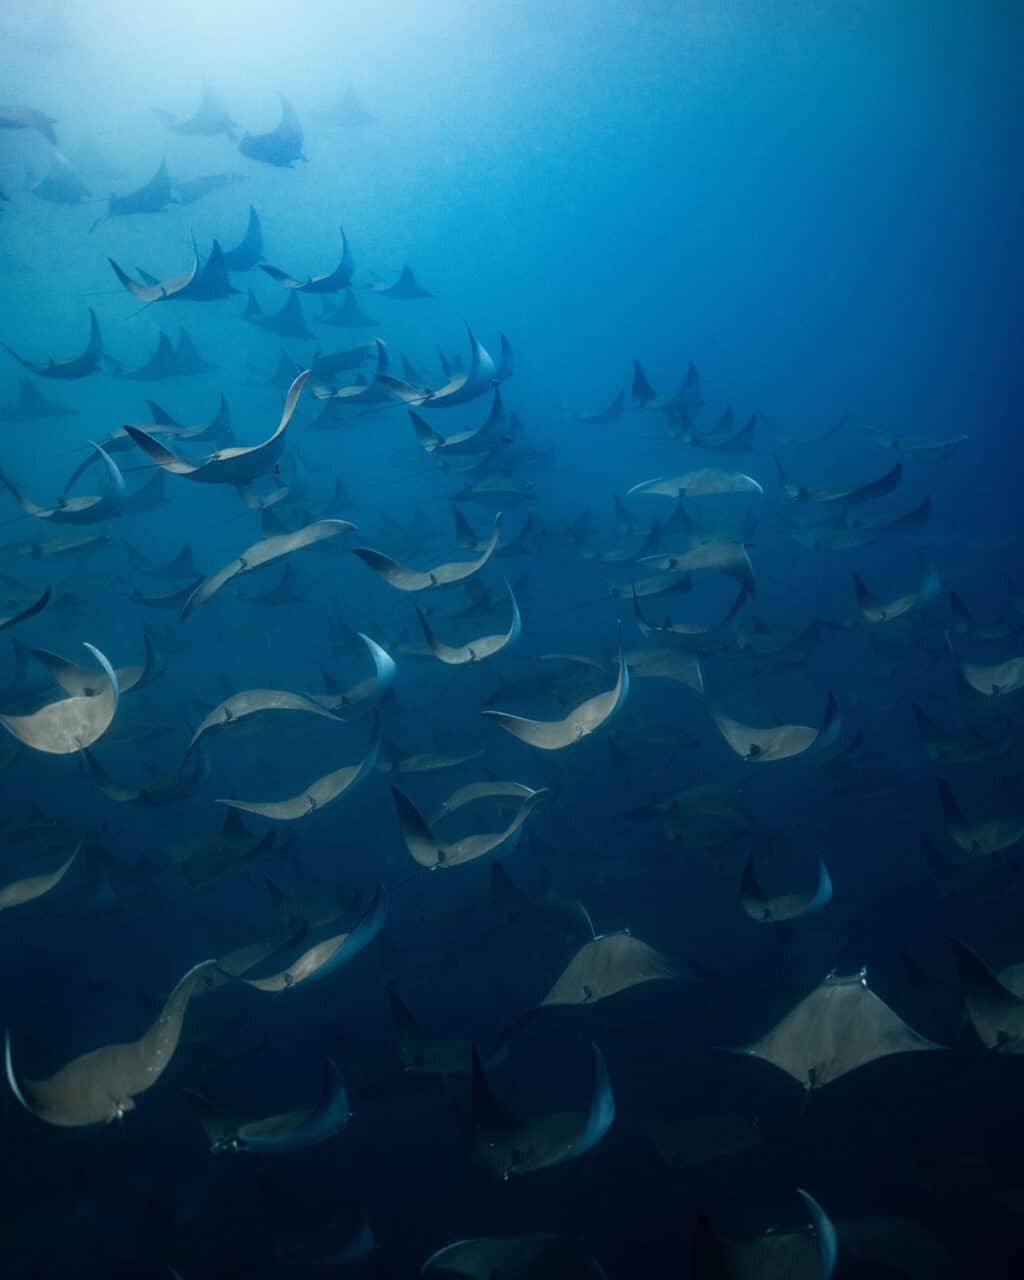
{"x": 784, "y": 235}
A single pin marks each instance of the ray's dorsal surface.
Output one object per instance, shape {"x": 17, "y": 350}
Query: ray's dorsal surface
{"x": 68, "y": 368}
{"x": 587, "y": 718}
{"x": 442, "y": 575}
{"x": 841, "y": 1026}
{"x": 610, "y": 963}
{"x": 102, "y": 1085}
{"x": 320, "y": 793}
{"x": 259, "y": 554}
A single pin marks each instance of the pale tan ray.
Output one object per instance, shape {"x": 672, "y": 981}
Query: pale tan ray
{"x": 430, "y": 851}
{"x": 236, "y": 465}
{"x": 840, "y": 1026}
{"x": 70, "y": 724}
{"x": 327, "y": 956}
{"x": 589, "y": 716}
{"x": 491, "y": 789}
{"x": 781, "y": 741}
{"x": 611, "y": 963}
{"x": 475, "y": 650}
{"x": 81, "y": 682}
{"x": 263, "y": 553}
{"x": 103, "y": 1084}
{"x": 252, "y": 702}
{"x": 28, "y": 888}
{"x": 666, "y": 664}
{"x": 785, "y": 906}
{"x": 320, "y": 793}
{"x": 719, "y": 555}
{"x": 698, "y": 484}
{"x": 442, "y": 575}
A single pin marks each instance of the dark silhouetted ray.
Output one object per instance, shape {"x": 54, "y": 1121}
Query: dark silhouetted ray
{"x": 282, "y": 146}
{"x": 68, "y": 368}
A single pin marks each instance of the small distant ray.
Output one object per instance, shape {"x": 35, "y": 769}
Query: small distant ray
{"x": 515, "y": 1258}
{"x": 152, "y": 197}
{"x": 786, "y": 906}
{"x": 406, "y": 287}
{"x": 249, "y": 250}
{"x": 32, "y": 406}
{"x": 511, "y": 1148}
{"x": 349, "y": 315}
{"x": 982, "y": 838}
{"x": 193, "y": 189}
{"x": 612, "y": 413}
{"x": 62, "y": 183}
{"x": 348, "y": 112}
{"x": 68, "y": 368}
{"x": 29, "y": 611}
{"x": 278, "y": 1134}
{"x": 994, "y": 1003}
{"x": 696, "y": 484}
{"x": 15, "y": 117}
{"x": 210, "y": 118}
{"x": 327, "y": 282}
{"x": 287, "y": 322}
{"x": 282, "y": 146}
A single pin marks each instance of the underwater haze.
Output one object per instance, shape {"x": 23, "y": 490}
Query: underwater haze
{"x": 511, "y": 694}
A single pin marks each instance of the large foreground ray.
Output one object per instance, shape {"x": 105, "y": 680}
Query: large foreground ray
{"x": 695, "y": 484}
{"x": 68, "y": 368}
{"x": 840, "y": 1026}
{"x": 254, "y": 702}
{"x": 239, "y": 465}
{"x": 328, "y": 956}
{"x": 262, "y": 553}
{"x": 589, "y": 716}
{"x": 320, "y": 793}
{"x": 442, "y": 575}
{"x": 102, "y": 1085}
{"x": 66, "y": 726}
